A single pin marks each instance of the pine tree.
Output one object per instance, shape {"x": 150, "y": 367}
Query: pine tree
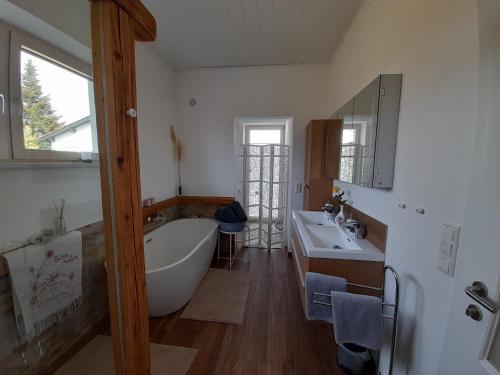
{"x": 38, "y": 116}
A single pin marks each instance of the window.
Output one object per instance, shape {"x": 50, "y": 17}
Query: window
{"x": 52, "y": 103}
{"x": 348, "y": 136}
{"x": 262, "y": 134}
{"x": 349, "y": 152}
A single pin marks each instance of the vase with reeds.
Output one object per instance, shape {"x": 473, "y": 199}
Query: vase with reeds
{"x": 177, "y": 147}
{"x": 60, "y": 222}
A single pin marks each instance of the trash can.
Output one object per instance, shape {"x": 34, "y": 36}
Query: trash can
{"x": 352, "y": 358}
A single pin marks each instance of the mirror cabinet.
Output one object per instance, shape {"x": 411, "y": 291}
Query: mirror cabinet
{"x": 369, "y": 131}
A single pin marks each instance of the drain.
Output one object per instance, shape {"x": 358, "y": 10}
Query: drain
{"x": 337, "y": 247}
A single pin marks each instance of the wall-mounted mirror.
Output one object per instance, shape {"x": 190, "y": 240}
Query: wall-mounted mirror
{"x": 369, "y": 129}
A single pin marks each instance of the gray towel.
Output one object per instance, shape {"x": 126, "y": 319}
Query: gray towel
{"x": 316, "y": 282}
{"x": 357, "y": 319}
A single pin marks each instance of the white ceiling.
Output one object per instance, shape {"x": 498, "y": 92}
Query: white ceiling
{"x": 211, "y": 33}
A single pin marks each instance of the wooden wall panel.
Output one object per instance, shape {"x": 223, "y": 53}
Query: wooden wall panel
{"x": 376, "y": 231}
{"x": 185, "y": 200}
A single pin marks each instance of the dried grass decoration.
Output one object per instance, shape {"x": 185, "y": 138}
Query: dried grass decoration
{"x": 177, "y": 147}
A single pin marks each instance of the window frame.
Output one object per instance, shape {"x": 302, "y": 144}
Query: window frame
{"x": 20, "y": 40}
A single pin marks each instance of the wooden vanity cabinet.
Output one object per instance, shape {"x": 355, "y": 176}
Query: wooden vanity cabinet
{"x": 322, "y": 160}
{"x": 354, "y": 271}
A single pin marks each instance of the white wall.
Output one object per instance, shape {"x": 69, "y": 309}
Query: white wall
{"x": 72, "y": 17}
{"x": 27, "y": 195}
{"x": 155, "y": 108}
{"x": 207, "y": 129}
{"x": 434, "y": 44}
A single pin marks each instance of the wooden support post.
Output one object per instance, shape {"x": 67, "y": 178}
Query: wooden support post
{"x": 115, "y": 27}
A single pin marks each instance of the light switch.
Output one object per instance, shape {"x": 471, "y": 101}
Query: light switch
{"x": 447, "y": 233}
{"x": 444, "y": 264}
{"x": 448, "y": 248}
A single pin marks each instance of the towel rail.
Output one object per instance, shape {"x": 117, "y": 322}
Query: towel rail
{"x": 329, "y": 304}
{"x": 394, "y": 305}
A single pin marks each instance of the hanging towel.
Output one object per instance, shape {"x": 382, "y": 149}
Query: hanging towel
{"x": 357, "y": 319}
{"x": 319, "y": 283}
{"x": 46, "y": 283}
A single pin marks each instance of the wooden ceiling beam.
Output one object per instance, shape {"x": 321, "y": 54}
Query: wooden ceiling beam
{"x": 144, "y": 22}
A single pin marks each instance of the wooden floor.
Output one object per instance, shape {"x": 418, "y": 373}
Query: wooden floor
{"x": 276, "y": 337}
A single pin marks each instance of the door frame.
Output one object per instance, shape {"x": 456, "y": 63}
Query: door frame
{"x": 115, "y": 26}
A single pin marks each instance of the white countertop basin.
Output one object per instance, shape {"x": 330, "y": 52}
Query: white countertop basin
{"x": 322, "y": 238}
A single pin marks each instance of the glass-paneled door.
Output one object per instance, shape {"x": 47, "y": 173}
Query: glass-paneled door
{"x": 263, "y": 161}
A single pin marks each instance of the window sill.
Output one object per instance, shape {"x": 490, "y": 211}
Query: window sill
{"x": 44, "y": 164}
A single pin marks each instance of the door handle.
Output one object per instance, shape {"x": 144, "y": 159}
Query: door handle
{"x": 479, "y": 293}
{"x": 3, "y": 103}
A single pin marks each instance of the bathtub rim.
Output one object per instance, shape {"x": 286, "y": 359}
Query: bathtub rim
{"x": 216, "y": 228}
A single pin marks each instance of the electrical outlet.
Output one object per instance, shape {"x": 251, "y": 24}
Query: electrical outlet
{"x": 298, "y": 187}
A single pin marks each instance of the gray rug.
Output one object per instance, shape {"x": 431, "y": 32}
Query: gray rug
{"x": 221, "y": 297}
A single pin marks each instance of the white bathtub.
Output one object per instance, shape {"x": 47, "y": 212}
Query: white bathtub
{"x": 177, "y": 255}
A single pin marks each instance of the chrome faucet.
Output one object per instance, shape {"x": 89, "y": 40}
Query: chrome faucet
{"x": 350, "y": 223}
{"x": 354, "y": 228}
{"x": 328, "y": 208}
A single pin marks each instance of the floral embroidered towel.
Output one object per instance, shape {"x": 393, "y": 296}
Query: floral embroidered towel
{"x": 46, "y": 283}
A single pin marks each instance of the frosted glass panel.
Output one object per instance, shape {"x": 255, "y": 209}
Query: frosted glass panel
{"x": 253, "y": 212}
{"x": 264, "y": 190}
{"x": 253, "y": 193}
{"x": 253, "y": 168}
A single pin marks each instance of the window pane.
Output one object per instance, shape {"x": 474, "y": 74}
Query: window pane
{"x": 58, "y": 108}
{"x": 265, "y": 136}
{"x": 348, "y": 136}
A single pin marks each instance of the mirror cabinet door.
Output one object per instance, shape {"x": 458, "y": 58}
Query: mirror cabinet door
{"x": 348, "y": 146}
{"x": 364, "y": 127}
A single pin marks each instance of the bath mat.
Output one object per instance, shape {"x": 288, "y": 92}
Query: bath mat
{"x": 97, "y": 358}
{"x": 221, "y": 297}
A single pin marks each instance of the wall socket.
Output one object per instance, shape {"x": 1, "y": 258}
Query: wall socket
{"x": 298, "y": 187}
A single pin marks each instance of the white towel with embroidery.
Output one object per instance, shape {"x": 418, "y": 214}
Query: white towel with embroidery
{"x": 46, "y": 283}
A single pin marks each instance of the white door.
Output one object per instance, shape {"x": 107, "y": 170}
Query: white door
{"x": 473, "y": 346}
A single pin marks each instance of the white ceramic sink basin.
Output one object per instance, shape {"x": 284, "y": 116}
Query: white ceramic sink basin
{"x": 322, "y": 238}
{"x": 329, "y": 237}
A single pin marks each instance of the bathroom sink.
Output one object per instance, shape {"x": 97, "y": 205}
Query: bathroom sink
{"x": 330, "y": 237}
{"x": 322, "y": 238}
{"x": 315, "y": 218}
